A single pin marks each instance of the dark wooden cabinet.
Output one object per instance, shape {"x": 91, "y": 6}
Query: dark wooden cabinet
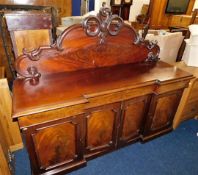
{"x": 132, "y": 120}
{"x": 56, "y": 144}
{"x": 97, "y": 88}
{"x": 162, "y": 111}
{"x": 101, "y": 129}
{"x": 121, "y": 8}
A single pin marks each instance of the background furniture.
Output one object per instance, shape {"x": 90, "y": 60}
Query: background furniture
{"x": 2, "y": 72}
{"x": 169, "y": 43}
{"x": 26, "y": 34}
{"x": 160, "y": 20}
{"x": 10, "y": 138}
{"x": 121, "y": 9}
{"x": 6, "y": 47}
{"x": 64, "y": 7}
{"x": 191, "y": 50}
{"x": 185, "y": 32}
{"x": 188, "y": 107}
{"x": 98, "y": 97}
{"x": 4, "y": 167}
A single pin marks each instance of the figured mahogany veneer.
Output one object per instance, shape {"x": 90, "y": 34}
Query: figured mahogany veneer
{"x": 88, "y": 95}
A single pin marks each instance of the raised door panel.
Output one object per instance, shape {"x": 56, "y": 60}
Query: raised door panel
{"x": 162, "y": 111}
{"x": 55, "y": 145}
{"x": 132, "y": 119}
{"x": 101, "y": 128}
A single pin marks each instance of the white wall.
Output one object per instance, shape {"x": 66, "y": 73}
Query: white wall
{"x": 98, "y": 4}
{"x": 136, "y": 8}
{"x": 196, "y": 5}
{"x": 134, "y": 11}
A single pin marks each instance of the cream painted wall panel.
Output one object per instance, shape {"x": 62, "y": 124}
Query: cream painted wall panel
{"x": 196, "y": 5}
{"x": 136, "y": 8}
{"x": 98, "y": 4}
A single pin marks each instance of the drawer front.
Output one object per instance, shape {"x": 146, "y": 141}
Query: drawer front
{"x": 112, "y": 97}
{"x": 190, "y": 111}
{"x": 194, "y": 92}
{"x": 99, "y": 99}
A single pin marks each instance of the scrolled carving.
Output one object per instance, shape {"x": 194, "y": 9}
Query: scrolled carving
{"x": 34, "y": 55}
{"x": 103, "y": 24}
{"x": 153, "y": 57}
{"x": 73, "y": 50}
{"x": 32, "y": 71}
{"x": 151, "y": 45}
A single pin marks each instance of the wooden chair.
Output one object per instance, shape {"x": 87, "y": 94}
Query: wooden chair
{"x": 29, "y": 30}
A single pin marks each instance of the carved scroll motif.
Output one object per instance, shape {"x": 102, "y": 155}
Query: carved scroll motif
{"x": 32, "y": 71}
{"x": 73, "y": 50}
{"x": 103, "y": 24}
{"x": 151, "y": 45}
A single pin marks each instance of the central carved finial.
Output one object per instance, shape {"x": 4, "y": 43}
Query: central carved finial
{"x": 103, "y": 24}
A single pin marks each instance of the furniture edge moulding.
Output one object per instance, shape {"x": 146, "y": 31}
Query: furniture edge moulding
{"x": 104, "y": 40}
{"x": 10, "y": 128}
{"x": 80, "y": 90}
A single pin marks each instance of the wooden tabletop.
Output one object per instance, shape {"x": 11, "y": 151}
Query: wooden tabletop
{"x": 190, "y": 69}
{"x": 73, "y": 87}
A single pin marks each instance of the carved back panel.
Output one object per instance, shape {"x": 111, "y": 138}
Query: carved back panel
{"x": 100, "y": 41}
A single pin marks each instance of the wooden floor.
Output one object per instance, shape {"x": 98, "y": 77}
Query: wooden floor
{"x": 190, "y": 69}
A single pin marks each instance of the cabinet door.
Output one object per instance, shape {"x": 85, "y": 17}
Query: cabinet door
{"x": 55, "y": 145}
{"x": 132, "y": 119}
{"x": 101, "y": 131}
{"x": 162, "y": 111}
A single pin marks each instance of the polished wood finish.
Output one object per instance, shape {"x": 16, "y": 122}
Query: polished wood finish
{"x": 160, "y": 20}
{"x": 105, "y": 118}
{"x": 4, "y": 62}
{"x": 162, "y": 113}
{"x": 101, "y": 125}
{"x": 188, "y": 107}
{"x": 96, "y": 56}
{"x": 28, "y": 37}
{"x": 10, "y": 128}
{"x": 63, "y": 146}
{"x": 10, "y": 138}
{"x": 4, "y": 168}
{"x": 6, "y": 48}
{"x": 83, "y": 97}
{"x": 132, "y": 119}
{"x": 2, "y": 72}
{"x": 64, "y": 7}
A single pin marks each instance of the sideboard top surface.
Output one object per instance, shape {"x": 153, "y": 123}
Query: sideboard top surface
{"x": 101, "y": 55}
{"x": 74, "y": 87}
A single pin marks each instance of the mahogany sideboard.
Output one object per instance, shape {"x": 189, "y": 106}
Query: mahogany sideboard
{"x": 98, "y": 88}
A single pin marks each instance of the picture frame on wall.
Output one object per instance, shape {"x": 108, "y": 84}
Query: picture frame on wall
{"x": 129, "y": 2}
{"x": 116, "y": 2}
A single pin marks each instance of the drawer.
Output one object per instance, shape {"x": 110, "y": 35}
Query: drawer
{"x": 190, "y": 111}
{"x": 194, "y": 92}
{"x": 130, "y": 92}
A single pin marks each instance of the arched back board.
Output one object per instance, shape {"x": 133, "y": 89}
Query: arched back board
{"x": 102, "y": 40}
